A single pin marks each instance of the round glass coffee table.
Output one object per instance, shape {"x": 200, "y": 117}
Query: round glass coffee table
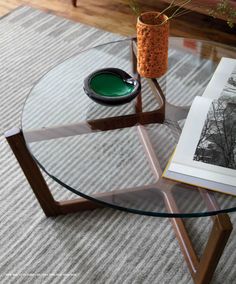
{"x": 115, "y": 156}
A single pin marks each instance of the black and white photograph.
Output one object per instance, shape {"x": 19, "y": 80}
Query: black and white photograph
{"x": 217, "y": 143}
{"x": 206, "y": 153}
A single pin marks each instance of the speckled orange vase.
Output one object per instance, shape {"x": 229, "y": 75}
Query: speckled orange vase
{"x": 152, "y": 43}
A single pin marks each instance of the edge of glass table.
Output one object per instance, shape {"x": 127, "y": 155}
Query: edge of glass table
{"x": 173, "y": 212}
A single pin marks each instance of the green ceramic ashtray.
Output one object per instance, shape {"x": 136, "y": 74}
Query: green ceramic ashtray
{"x": 111, "y": 86}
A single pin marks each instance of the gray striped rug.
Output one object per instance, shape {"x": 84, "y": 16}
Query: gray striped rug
{"x": 101, "y": 246}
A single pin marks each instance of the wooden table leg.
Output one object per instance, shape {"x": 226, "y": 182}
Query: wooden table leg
{"x": 222, "y": 228}
{"x": 50, "y": 206}
{"x": 201, "y": 269}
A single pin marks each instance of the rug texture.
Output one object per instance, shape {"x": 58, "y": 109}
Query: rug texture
{"x": 100, "y": 246}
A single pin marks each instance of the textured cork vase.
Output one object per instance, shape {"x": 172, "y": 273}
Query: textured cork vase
{"x": 152, "y": 43}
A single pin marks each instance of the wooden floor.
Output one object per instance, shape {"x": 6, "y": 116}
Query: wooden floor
{"x": 116, "y": 16}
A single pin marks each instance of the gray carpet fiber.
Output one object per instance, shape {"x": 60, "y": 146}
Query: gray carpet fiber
{"x": 100, "y": 246}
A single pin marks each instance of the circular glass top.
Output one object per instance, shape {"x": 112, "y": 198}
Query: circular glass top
{"x": 116, "y": 155}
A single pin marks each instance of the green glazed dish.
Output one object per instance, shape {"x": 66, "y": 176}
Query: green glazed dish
{"x": 111, "y": 86}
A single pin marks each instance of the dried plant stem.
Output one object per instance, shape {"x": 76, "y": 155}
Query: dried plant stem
{"x": 171, "y": 5}
{"x": 180, "y": 5}
{"x": 182, "y": 13}
{"x": 222, "y": 8}
{"x": 134, "y": 6}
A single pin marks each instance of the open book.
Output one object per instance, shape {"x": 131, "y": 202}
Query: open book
{"x": 206, "y": 153}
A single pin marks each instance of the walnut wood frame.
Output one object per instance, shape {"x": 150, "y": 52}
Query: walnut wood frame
{"x": 201, "y": 269}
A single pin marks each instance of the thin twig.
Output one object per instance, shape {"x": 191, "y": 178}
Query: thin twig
{"x": 167, "y": 8}
{"x": 172, "y": 5}
{"x": 180, "y": 7}
{"x": 181, "y": 13}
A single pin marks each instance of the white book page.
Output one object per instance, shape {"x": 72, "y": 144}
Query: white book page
{"x": 220, "y": 77}
{"x": 183, "y": 161}
{"x": 216, "y": 186}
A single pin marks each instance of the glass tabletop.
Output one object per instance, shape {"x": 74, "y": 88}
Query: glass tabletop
{"x": 116, "y": 155}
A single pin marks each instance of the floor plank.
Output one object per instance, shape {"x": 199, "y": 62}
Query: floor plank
{"x": 116, "y": 16}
